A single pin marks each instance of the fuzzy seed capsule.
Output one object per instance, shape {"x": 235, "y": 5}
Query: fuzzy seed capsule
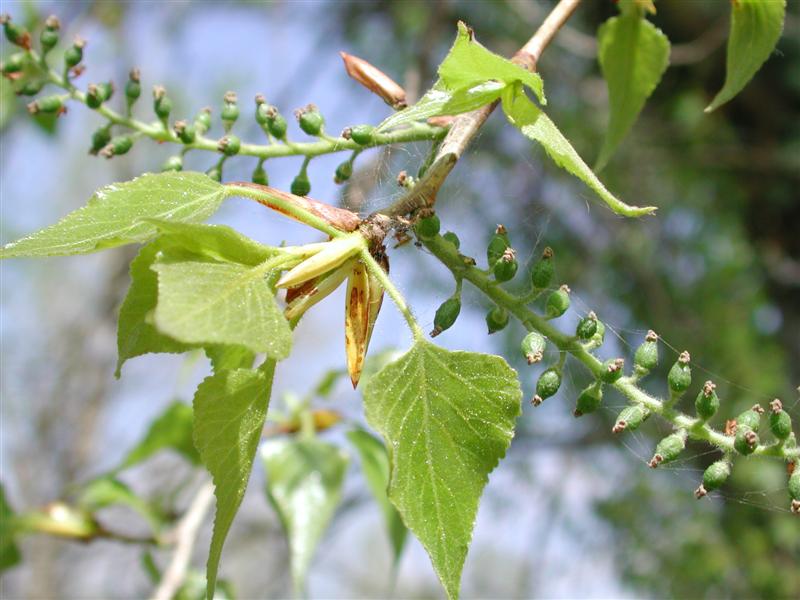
{"x": 680, "y": 375}
{"x": 260, "y": 176}
{"x": 301, "y": 186}
{"x": 750, "y": 419}
{"x": 497, "y": 246}
{"x": 310, "y": 120}
{"x": 427, "y": 228}
{"x": 452, "y": 238}
{"x": 745, "y": 441}
{"x": 586, "y": 328}
{"x": 714, "y": 477}
{"x": 613, "y": 369}
{"x": 543, "y": 271}
{"x": 646, "y": 357}
{"x": 496, "y": 319}
{"x": 630, "y": 418}
{"x": 780, "y": 423}
{"x": 548, "y": 383}
{"x": 173, "y": 163}
{"x": 230, "y": 145}
{"x": 668, "y": 449}
{"x": 589, "y": 400}
{"x": 533, "y": 346}
{"x": 74, "y": 54}
{"x": 446, "y": 315}
{"x": 707, "y": 402}
{"x": 505, "y": 268}
{"x": 343, "y": 172}
{"x": 362, "y": 134}
{"x": 557, "y": 302}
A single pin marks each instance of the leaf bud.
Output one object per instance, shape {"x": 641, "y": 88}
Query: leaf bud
{"x": 496, "y": 319}
{"x": 557, "y": 302}
{"x": 310, "y": 119}
{"x": 452, "y": 238}
{"x": 374, "y": 80}
{"x": 133, "y": 88}
{"x": 15, "y": 34}
{"x": 301, "y": 186}
{"x": 74, "y": 54}
{"x": 714, "y": 477}
{"x": 186, "y": 132}
{"x": 543, "y": 270}
{"x": 229, "y": 145}
{"x": 630, "y": 418}
{"x": 646, "y": 357}
{"x": 202, "y": 120}
{"x": 505, "y": 268}
{"x": 533, "y": 346}
{"x": 679, "y": 377}
{"x": 613, "y": 369}
{"x": 343, "y": 172}
{"x": 745, "y": 441}
{"x": 498, "y": 244}
{"x": 259, "y": 175}
{"x": 230, "y": 111}
{"x": 780, "y": 423}
{"x": 117, "y": 146}
{"x": 162, "y": 105}
{"x": 587, "y": 327}
{"x": 547, "y": 385}
{"x": 707, "y": 402}
{"x": 668, "y": 449}
{"x": 428, "y": 227}
{"x": 173, "y": 163}
{"x": 446, "y": 315}
{"x": 48, "y": 104}
{"x": 362, "y": 134}
{"x": 589, "y": 400}
{"x": 750, "y": 419}
{"x": 100, "y": 138}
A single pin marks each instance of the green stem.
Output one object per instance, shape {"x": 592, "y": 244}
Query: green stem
{"x": 394, "y": 294}
{"x": 517, "y": 306}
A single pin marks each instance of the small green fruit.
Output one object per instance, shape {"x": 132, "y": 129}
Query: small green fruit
{"x": 74, "y": 54}
{"x": 311, "y": 121}
{"x": 230, "y": 145}
{"x": 260, "y": 176}
{"x": 452, "y": 238}
{"x": 750, "y": 419}
{"x": 613, "y": 369}
{"x": 533, "y": 346}
{"x": 497, "y": 246}
{"x": 496, "y": 319}
{"x": 557, "y": 303}
{"x": 427, "y": 228}
{"x": 173, "y": 163}
{"x": 630, "y": 418}
{"x": 794, "y": 484}
{"x": 646, "y": 357}
{"x": 543, "y": 271}
{"x": 362, "y": 134}
{"x": 301, "y": 186}
{"x": 547, "y": 384}
{"x": 714, "y": 477}
{"x": 746, "y": 440}
{"x": 48, "y": 38}
{"x": 505, "y": 268}
{"x": 680, "y": 375}
{"x": 668, "y": 449}
{"x": 343, "y": 172}
{"x": 707, "y": 402}
{"x": 446, "y": 315}
{"x": 589, "y": 400}
{"x": 100, "y": 139}
{"x": 780, "y": 423}
{"x": 586, "y": 328}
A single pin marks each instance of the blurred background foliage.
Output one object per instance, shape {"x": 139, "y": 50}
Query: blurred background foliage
{"x": 573, "y": 512}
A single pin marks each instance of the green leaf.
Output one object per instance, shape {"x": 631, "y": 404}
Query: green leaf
{"x": 633, "y": 55}
{"x": 9, "y": 551}
{"x": 756, "y": 26}
{"x": 114, "y": 215}
{"x": 448, "y": 418}
{"x": 136, "y": 335}
{"x": 220, "y": 303}
{"x": 537, "y": 126}
{"x": 229, "y": 412}
{"x": 229, "y": 357}
{"x": 171, "y": 430}
{"x": 469, "y": 63}
{"x": 304, "y": 485}
{"x": 107, "y": 491}
{"x": 375, "y": 466}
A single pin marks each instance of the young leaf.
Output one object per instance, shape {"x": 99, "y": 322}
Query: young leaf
{"x": 375, "y": 466}
{"x": 172, "y": 430}
{"x": 633, "y": 55}
{"x": 229, "y": 357}
{"x": 534, "y": 124}
{"x": 229, "y": 412}
{"x": 9, "y": 552}
{"x": 135, "y": 334}
{"x": 448, "y": 418}
{"x": 220, "y": 303}
{"x": 106, "y": 491}
{"x": 304, "y": 485}
{"x": 756, "y": 26}
{"x": 114, "y": 214}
